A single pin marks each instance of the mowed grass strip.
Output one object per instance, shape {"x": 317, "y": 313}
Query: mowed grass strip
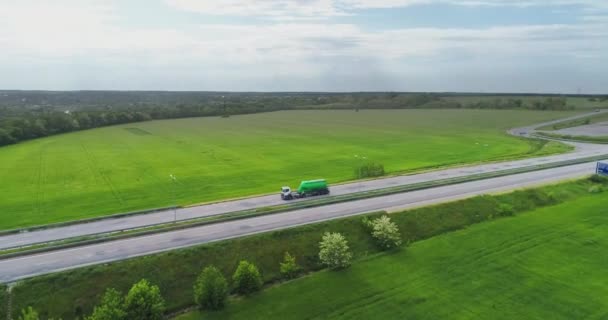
{"x": 545, "y": 264}
{"x": 72, "y": 294}
{"x": 126, "y": 168}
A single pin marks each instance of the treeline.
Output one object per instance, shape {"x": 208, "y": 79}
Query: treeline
{"x": 29, "y": 121}
{"x": 36, "y": 124}
{"x": 550, "y": 103}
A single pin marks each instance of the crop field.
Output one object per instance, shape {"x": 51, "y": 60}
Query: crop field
{"x": 545, "y": 264}
{"x": 125, "y": 168}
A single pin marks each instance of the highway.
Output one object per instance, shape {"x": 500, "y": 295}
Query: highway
{"x": 32, "y": 265}
{"x": 37, "y": 264}
{"x": 167, "y": 216}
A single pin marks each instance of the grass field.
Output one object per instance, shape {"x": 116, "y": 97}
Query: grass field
{"x": 125, "y": 168}
{"x": 545, "y": 264}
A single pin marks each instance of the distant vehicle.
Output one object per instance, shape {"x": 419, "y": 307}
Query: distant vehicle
{"x": 307, "y": 188}
{"x": 597, "y": 110}
{"x": 602, "y": 168}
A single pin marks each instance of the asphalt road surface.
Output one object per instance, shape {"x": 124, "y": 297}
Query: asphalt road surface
{"x": 32, "y": 265}
{"x": 117, "y": 224}
{"x": 592, "y": 130}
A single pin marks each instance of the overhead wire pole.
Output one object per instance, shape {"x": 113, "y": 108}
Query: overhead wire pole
{"x": 174, "y": 179}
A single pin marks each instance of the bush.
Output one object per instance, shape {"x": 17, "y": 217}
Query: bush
{"x": 596, "y": 178}
{"x": 334, "y": 251}
{"x": 386, "y": 232}
{"x": 506, "y": 210}
{"x": 210, "y": 289}
{"x": 29, "y": 314}
{"x": 111, "y": 307}
{"x": 289, "y": 267}
{"x": 247, "y": 278}
{"x": 370, "y": 169}
{"x": 144, "y": 302}
{"x": 595, "y": 189}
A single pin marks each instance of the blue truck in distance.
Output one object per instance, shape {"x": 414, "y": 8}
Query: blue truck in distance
{"x": 602, "y": 168}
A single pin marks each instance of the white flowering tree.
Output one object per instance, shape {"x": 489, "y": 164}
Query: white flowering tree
{"x": 334, "y": 251}
{"x": 386, "y": 232}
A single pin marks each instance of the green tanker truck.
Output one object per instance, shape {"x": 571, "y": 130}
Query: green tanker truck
{"x": 307, "y": 188}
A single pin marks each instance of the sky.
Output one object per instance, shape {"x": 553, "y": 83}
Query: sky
{"x": 556, "y": 46}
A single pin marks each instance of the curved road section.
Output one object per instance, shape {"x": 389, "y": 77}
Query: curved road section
{"x": 28, "y": 266}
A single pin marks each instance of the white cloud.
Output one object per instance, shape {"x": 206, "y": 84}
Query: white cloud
{"x": 93, "y": 36}
{"x": 273, "y": 8}
{"x": 290, "y": 9}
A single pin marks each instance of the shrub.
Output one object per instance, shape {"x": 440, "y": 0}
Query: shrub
{"x": 334, "y": 251}
{"x": 505, "y": 210}
{"x": 111, "y": 307}
{"x": 144, "y": 302}
{"x": 210, "y": 289}
{"x": 247, "y": 278}
{"x": 386, "y": 232}
{"x": 289, "y": 267}
{"x": 369, "y": 169}
{"x": 29, "y": 314}
{"x": 596, "y": 178}
{"x": 595, "y": 189}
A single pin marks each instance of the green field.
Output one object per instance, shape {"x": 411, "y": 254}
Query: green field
{"x": 545, "y": 264}
{"x": 125, "y": 168}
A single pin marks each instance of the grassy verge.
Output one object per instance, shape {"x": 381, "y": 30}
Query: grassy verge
{"x": 72, "y": 294}
{"x": 576, "y": 122}
{"x": 545, "y": 264}
{"x": 597, "y": 139}
{"x": 3, "y": 301}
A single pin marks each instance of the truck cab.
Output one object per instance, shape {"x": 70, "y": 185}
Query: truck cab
{"x": 286, "y": 193}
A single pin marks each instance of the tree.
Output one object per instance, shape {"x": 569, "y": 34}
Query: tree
{"x": 289, "y": 267}
{"x": 247, "y": 278}
{"x": 110, "y": 308}
{"x": 29, "y": 314}
{"x": 210, "y": 289}
{"x": 6, "y": 138}
{"x": 144, "y": 302}
{"x": 386, "y": 232}
{"x": 334, "y": 251}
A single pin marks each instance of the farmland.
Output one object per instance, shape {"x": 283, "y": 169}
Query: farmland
{"x": 544, "y": 264}
{"x": 127, "y": 167}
